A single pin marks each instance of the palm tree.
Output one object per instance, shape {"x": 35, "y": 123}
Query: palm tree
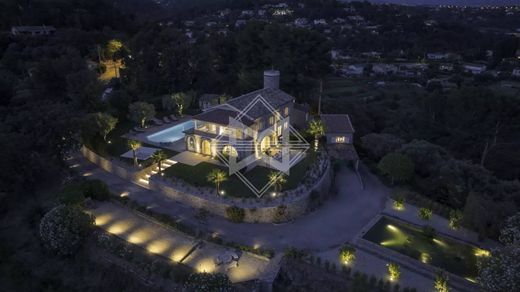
{"x": 316, "y": 129}
{"x": 217, "y": 176}
{"x": 278, "y": 180}
{"x": 158, "y": 157}
{"x": 134, "y": 145}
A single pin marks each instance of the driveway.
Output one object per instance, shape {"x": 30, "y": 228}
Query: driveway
{"x": 337, "y": 221}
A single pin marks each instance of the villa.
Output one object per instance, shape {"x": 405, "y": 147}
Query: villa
{"x": 255, "y": 121}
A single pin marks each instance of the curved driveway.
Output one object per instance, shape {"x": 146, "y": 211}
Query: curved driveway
{"x": 338, "y": 220}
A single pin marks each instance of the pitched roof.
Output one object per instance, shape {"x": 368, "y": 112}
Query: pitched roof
{"x": 219, "y": 115}
{"x": 275, "y": 97}
{"x": 337, "y": 123}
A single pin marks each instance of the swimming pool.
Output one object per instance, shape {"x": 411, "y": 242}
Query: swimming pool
{"x": 172, "y": 134}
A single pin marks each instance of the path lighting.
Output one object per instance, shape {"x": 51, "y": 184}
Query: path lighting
{"x": 273, "y": 194}
{"x": 109, "y": 142}
{"x": 222, "y": 192}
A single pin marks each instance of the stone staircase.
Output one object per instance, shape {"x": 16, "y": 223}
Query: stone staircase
{"x": 145, "y": 180}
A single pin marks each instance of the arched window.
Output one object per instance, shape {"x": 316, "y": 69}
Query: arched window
{"x": 229, "y": 151}
{"x": 191, "y": 143}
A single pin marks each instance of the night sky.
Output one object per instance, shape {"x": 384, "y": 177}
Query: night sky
{"x": 452, "y": 2}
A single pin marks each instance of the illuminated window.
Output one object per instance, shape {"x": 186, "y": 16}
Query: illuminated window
{"x": 285, "y": 125}
{"x": 286, "y": 111}
{"x": 271, "y": 120}
{"x": 340, "y": 139}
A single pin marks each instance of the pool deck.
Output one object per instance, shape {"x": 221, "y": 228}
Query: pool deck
{"x": 143, "y": 136}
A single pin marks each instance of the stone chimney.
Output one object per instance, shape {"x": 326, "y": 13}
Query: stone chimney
{"x": 272, "y": 79}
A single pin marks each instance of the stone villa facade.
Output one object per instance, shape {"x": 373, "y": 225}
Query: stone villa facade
{"x": 247, "y": 124}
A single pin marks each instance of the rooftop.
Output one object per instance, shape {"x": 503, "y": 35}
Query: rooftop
{"x": 337, "y": 123}
{"x": 275, "y": 97}
{"x": 219, "y": 115}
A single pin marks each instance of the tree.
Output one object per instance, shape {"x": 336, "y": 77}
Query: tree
{"x": 317, "y": 130}
{"x": 500, "y": 271}
{"x": 441, "y": 282}
{"x": 510, "y": 234}
{"x": 217, "y": 176}
{"x": 394, "y": 271}
{"x": 140, "y": 112}
{"x": 455, "y": 219}
{"x": 425, "y": 213}
{"x": 278, "y": 180}
{"x": 105, "y": 123}
{"x": 207, "y": 282}
{"x": 134, "y": 145}
{"x": 397, "y": 166}
{"x": 182, "y": 101}
{"x": 158, "y": 157}
{"x": 112, "y": 49}
{"x": 347, "y": 254}
{"x": 64, "y": 228}
{"x": 378, "y": 145}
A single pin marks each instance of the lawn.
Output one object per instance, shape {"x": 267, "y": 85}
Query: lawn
{"x": 258, "y": 176}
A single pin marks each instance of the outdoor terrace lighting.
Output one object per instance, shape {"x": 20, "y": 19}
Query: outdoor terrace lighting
{"x": 222, "y": 192}
{"x": 273, "y": 194}
{"x": 109, "y": 142}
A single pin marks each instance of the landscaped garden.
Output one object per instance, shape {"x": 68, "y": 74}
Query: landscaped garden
{"x": 424, "y": 245}
{"x": 259, "y": 176}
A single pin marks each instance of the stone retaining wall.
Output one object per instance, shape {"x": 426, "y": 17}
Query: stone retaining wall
{"x": 114, "y": 167}
{"x": 261, "y": 210}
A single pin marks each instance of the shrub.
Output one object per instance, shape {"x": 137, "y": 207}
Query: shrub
{"x": 429, "y": 232}
{"x": 96, "y": 189}
{"x": 398, "y": 167}
{"x": 441, "y": 282}
{"x": 425, "y": 213}
{"x": 372, "y": 281}
{"x": 235, "y": 214}
{"x": 206, "y": 282}
{"x": 380, "y": 284}
{"x": 279, "y": 214}
{"x": 347, "y": 254}
{"x": 327, "y": 265}
{"x": 294, "y": 253}
{"x": 510, "y": 234}
{"x": 399, "y": 203}
{"x": 394, "y": 271}
{"x": 64, "y": 228}
{"x": 455, "y": 219}
{"x": 71, "y": 197}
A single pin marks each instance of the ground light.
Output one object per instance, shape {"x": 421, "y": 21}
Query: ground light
{"x": 481, "y": 252}
{"x": 425, "y": 257}
{"x": 273, "y": 194}
{"x": 222, "y": 192}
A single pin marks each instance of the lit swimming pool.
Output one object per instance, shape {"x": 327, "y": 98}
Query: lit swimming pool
{"x": 172, "y": 134}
